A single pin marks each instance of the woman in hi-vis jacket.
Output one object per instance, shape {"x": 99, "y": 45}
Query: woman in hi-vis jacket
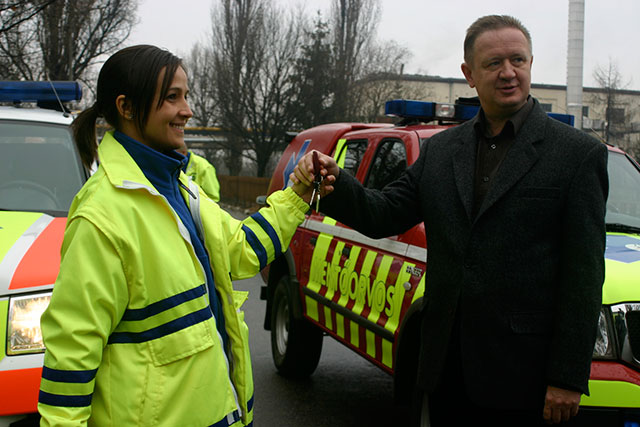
{"x": 144, "y": 327}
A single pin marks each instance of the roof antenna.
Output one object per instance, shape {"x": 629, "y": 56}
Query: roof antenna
{"x": 64, "y": 110}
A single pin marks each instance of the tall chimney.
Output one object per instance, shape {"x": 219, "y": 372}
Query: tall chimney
{"x": 575, "y": 55}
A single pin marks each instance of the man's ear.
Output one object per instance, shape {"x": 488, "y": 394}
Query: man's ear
{"x": 124, "y": 107}
{"x": 468, "y": 74}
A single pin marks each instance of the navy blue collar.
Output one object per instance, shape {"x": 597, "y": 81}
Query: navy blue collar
{"x": 162, "y": 169}
{"x": 185, "y": 164}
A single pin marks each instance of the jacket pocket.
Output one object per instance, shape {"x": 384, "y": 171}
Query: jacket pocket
{"x": 181, "y": 344}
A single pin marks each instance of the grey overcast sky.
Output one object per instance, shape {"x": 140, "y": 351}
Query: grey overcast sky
{"x": 433, "y": 30}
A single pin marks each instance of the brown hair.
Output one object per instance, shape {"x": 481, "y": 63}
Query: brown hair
{"x": 490, "y": 23}
{"x": 132, "y": 72}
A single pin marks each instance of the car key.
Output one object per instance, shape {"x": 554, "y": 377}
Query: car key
{"x": 317, "y": 181}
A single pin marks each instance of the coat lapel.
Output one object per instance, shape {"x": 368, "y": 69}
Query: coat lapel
{"x": 520, "y": 158}
{"x": 464, "y": 165}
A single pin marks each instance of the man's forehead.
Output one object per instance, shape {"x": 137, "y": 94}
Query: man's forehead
{"x": 505, "y": 33}
{"x": 502, "y": 39}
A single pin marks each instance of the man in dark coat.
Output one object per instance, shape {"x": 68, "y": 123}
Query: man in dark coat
{"x": 513, "y": 204}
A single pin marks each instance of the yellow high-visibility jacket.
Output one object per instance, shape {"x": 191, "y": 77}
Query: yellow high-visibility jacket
{"x": 204, "y": 174}
{"x": 130, "y": 337}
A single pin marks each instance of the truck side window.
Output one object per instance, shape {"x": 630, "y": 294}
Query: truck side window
{"x": 352, "y": 152}
{"x": 389, "y": 163}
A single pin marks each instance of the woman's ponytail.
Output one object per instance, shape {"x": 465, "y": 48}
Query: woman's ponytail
{"x": 84, "y": 133}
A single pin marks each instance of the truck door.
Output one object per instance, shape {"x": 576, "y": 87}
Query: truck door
{"x": 358, "y": 287}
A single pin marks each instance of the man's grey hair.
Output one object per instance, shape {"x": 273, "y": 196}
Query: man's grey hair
{"x": 491, "y": 23}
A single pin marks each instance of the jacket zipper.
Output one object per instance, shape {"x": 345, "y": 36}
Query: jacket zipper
{"x": 130, "y": 185}
{"x": 194, "y": 208}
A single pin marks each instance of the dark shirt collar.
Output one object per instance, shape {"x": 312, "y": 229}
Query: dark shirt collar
{"x": 513, "y": 124}
{"x": 159, "y": 168}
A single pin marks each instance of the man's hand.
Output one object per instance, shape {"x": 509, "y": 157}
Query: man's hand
{"x": 303, "y": 174}
{"x": 560, "y": 404}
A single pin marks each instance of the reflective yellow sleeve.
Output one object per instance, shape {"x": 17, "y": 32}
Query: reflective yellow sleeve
{"x": 204, "y": 174}
{"x": 89, "y": 297}
{"x": 208, "y": 181}
{"x": 265, "y": 235}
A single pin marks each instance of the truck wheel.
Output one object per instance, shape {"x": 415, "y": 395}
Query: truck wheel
{"x": 295, "y": 344}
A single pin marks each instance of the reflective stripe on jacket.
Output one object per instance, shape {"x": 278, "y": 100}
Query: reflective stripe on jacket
{"x": 130, "y": 336}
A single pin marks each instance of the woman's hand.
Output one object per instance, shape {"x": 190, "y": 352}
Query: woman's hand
{"x": 304, "y": 174}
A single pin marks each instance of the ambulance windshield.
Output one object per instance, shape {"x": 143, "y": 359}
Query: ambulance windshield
{"x": 39, "y": 167}
{"x": 623, "y": 204}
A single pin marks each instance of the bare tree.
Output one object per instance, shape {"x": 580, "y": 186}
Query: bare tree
{"x": 66, "y": 37}
{"x": 353, "y": 24}
{"x": 619, "y": 111}
{"x": 15, "y": 12}
{"x": 343, "y": 73}
{"x": 76, "y": 32}
{"x": 201, "y": 70}
{"x": 311, "y": 95}
{"x": 381, "y": 80}
{"x": 18, "y": 39}
{"x": 610, "y": 80}
{"x": 233, "y": 24}
{"x": 254, "y": 47}
{"x": 274, "y": 73}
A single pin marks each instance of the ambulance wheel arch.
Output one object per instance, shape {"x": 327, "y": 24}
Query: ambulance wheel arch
{"x": 296, "y": 345}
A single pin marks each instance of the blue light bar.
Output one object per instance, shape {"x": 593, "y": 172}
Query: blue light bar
{"x": 27, "y": 91}
{"x": 428, "y": 111}
{"x": 410, "y": 109}
{"x": 466, "y": 112}
{"x": 564, "y": 118}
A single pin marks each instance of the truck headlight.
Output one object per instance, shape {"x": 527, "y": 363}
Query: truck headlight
{"x": 23, "y": 331}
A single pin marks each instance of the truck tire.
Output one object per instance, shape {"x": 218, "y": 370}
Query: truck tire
{"x": 295, "y": 344}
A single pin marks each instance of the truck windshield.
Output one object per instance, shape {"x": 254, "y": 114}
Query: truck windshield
{"x": 39, "y": 167}
{"x": 623, "y": 204}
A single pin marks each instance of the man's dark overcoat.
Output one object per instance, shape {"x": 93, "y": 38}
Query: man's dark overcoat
{"x": 524, "y": 275}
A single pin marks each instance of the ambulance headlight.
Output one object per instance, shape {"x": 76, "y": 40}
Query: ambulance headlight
{"x": 604, "y": 339}
{"x": 23, "y": 331}
{"x": 618, "y": 333}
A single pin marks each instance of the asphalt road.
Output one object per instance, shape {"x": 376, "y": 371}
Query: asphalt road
{"x": 345, "y": 389}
